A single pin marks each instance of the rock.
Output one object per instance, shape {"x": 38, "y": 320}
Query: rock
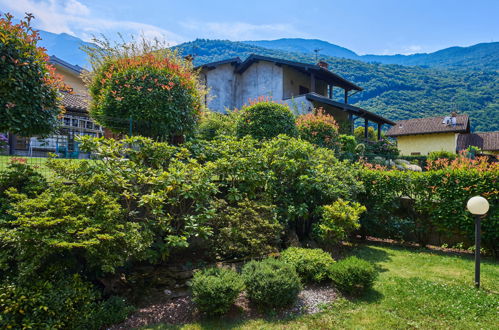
{"x": 414, "y": 168}
{"x": 292, "y": 239}
{"x": 402, "y": 162}
{"x": 400, "y": 167}
{"x": 390, "y": 163}
{"x": 168, "y": 292}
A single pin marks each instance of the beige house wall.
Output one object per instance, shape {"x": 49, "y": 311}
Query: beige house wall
{"x": 426, "y": 143}
{"x": 72, "y": 80}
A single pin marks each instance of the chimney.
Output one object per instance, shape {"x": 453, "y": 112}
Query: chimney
{"x": 323, "y": 65}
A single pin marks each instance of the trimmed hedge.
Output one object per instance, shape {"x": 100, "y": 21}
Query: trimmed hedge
{"x": 271, "y": 283}
{"x": 312, "y": 265}
{"x": 353, "y": 275}
{"x": 411, "y": 205}
{"x": 214, "y": 290}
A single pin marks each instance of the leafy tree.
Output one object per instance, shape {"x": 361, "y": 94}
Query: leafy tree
{"x": 29, "y": 87}
{"x": 151, "y": 86}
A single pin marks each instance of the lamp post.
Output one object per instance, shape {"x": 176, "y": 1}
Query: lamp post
{"x": 478, "y": 206}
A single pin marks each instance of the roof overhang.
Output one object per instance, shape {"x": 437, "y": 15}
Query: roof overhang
{"x": 314, "y": 97}
{"x": 317, "y": 71}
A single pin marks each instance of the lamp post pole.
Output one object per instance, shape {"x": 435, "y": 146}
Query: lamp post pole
{"x": 477, "y": 251}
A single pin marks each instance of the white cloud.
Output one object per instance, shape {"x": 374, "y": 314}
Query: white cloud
{"x": 242, "y": 30}
{"x": 73, "y": 17}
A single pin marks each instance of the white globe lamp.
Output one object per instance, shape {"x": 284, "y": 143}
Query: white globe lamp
{"x": 478, "y": 206}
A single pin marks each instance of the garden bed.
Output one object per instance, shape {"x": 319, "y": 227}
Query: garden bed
{"x": 180, "y": 310}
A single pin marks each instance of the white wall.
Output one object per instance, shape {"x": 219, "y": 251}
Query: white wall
{"x": 260, "y": 79}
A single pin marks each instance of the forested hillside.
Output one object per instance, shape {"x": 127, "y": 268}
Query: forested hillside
{"x": 394, "y": 91}
{"x": 484, "y": 56}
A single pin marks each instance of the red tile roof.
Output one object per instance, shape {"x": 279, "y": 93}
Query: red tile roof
{"x": 429, "y": 125}
{"x": 488, "y": 141}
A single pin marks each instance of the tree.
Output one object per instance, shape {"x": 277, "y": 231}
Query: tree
{"x": 144, "y": 85}
{"x": 29, "y": 87}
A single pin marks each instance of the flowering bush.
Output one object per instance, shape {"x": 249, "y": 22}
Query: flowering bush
{"x": 29, "y": 97}
{"x": 318, "y": 128}
{"x": 153, "y": 87}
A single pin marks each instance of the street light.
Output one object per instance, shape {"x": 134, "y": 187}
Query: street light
{"x": 478, "y": 206}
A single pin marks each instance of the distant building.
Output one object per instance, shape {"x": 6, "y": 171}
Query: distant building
{"x": 420, "y": 136}
{"x": 232, "y": 83}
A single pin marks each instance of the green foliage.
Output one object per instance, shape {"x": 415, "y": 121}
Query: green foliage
{"x": 393, "y": 91}
{"x": 147, "y": 84}
{"x": 359, "y": 133}
{"x": 348, "y": 147}
{"x": 338, "y": 221}
{"x": 29, "y": 88}
{"x": 247, "y": 229}
{"x": 214, "y": 290}
{"x": 318, "y": 128}
{"x": 434, "y": 155}
{"x": 433, "y": 201}
{"x": 353, "y": 275}
{"x": 137, "y": 202}
{"x": 271, "y": 283}
{"x": 265, "y": 120}
{"x": 383, "y": 148}
{"x": 312, "y": 265}
{"x": 305, "y": 177}
{"x": 214, "y": 124}
{"x": 62, "y": 304}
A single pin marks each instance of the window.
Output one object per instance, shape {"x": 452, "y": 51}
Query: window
{"x": 415, "y": 154}
{"x": 303, "y": 90}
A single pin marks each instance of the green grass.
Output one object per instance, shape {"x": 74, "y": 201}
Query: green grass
{"x": 416, "y": 289}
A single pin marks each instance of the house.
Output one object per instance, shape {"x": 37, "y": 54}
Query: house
{"x": 488, "y": 142}
{"x": 420, "y": 136}
{"x": 232, "y": 83}
{"x": 75, "y": 121}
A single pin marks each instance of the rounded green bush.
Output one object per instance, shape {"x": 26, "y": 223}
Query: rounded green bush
{"x": 214, "y": 290}
{"x": 312, "y": 265}
{"x": 271, "y": 282}
{"x": 353, "y": 275}
{"x": 265, "y": 120}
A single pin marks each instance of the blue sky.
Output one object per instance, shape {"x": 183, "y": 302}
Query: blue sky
{"x": 364, "y": 26}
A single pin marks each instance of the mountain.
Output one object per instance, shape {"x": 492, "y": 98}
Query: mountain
{"x": 394, "y": 91}
{"x": 65, "y": 47}
{"x": 484, "y": 56}
{"x": 305, "y": 46}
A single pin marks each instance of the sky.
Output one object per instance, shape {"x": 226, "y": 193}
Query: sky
{"x": 364, "y": 26}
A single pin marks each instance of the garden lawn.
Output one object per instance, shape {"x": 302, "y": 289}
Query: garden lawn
{"x": 416, "y": 288}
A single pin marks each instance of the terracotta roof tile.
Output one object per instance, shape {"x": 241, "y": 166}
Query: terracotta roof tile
{"x": 429, "y": 125}
{"x": 488, "y": 141}
{"x": 75, "y": 102}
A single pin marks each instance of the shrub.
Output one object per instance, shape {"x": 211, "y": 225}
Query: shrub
{"x": 29, "y": 87}
{"x": 63, "y": 304}
{"x": 318, "y": 128}
{"x": 214, "y": 290}
{"x": 338, "y": 221}
{"x": 434, "y": 155}
{"x": 145, "y": 83}
{"x": 248, "y": 229}
{"x": 214, "y": 124}
{"x": 304, "y": 177}
{"x": 359, "y": 133}
{"x": 271, "y": 283}
{"x": 353, "y": 275}
{"x": 312, "y": 265}
{"x": 265, "y": 120}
